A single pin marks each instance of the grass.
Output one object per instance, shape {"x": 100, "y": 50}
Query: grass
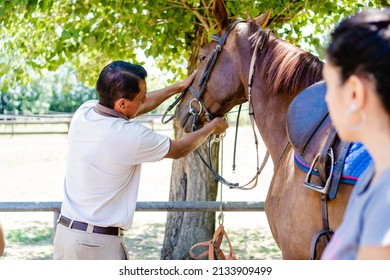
{"x": 30, "y": 237}
{"x": 144, "y": 242}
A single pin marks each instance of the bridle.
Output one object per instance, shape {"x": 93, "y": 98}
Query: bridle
{"x": 206, "y": 75}
{"x": 202, "y": 82}
{"x": 198, "y": 99}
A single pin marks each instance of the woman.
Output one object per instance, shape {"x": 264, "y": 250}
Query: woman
{"x": 358, "y": 97}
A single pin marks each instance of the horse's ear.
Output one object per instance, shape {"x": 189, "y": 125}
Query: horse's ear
{"x": 262, "y": 20}
{"x": 220, "y": 14}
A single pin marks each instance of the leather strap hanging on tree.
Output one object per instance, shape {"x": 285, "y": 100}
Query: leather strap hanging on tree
{"x": 213, "y": 246}
{"x": 214, "y": 250}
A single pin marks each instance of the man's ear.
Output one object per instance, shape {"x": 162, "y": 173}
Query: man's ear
{"x": 120, "y": 105}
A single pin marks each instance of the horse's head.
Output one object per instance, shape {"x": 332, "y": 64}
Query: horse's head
{"x": 221, "y": 81}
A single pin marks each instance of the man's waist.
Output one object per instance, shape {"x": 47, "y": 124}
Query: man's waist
{"x": 72, "y": 224}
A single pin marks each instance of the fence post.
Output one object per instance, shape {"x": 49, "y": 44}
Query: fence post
{"x": 56, "y": 216}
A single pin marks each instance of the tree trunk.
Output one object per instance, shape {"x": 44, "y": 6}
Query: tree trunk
{"x": 190, "y": 181}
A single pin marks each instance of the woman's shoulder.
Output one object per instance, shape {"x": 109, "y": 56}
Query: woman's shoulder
{"x": 383, "y": 182}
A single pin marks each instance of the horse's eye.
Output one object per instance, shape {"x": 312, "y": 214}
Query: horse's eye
{"x": 202, "y": 58}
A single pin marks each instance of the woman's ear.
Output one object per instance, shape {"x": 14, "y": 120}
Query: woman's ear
{"x": 358, "y": 91}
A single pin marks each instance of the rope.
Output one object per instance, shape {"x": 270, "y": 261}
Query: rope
{"x": 221, "y": 215}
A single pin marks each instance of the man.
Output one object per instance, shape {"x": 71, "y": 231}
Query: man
{"x": 106, "y": 151}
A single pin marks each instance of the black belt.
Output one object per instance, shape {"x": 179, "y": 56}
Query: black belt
{"x": 83, "y": 226}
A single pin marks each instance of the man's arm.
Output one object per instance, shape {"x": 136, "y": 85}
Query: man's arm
{"x": 155, "y": 98}
{"x": 189, "y": 142}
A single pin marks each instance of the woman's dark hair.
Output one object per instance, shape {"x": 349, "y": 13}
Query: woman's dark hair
{"x": 119, "y": 79}
{"x": 360, "y": 45}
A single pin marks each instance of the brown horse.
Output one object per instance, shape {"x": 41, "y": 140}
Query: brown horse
{"x": 280, "y": 72}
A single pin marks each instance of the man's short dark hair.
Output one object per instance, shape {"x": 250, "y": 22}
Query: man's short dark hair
{"x": 119, "y": 79}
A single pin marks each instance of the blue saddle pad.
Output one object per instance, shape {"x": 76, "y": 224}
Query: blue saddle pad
{"x": 356, "y": 162}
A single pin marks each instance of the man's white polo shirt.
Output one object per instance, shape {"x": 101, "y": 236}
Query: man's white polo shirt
{"x": 105, "y": 154}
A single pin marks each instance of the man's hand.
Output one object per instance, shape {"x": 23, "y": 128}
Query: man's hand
{"x": 219, "y": 125}
{"x": 191, "y": 141}
{"x": 187, "y": 81}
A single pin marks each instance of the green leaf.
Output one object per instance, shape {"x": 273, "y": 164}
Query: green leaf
{"x": 90, "y": 41}
{"x": 66, "y": 35}
{"x": 328, "y": 6}
{"x": 32, "y": 6}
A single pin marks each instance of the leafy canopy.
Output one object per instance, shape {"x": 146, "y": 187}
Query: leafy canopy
{"x": 37, "y": 35}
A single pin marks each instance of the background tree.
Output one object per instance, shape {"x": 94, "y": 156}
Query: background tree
{"x": 44, "y": 35}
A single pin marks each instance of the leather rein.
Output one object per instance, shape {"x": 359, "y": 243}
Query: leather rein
{"x": 198, "y": 99}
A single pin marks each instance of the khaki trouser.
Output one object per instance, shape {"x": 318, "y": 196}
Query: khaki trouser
{"x": 73, "y": 244}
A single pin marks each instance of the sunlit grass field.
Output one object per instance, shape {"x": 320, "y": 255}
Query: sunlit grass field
{"x": 144, "y": 242}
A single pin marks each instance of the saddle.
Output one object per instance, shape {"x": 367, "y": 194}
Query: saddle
{"x": 314, "y": 138}
{"x": 213, "y": 247}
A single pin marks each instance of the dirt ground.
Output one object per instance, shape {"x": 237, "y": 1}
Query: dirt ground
{"x": 32, "y": 169}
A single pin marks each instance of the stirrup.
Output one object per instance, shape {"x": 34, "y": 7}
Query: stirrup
{"x": 327, "y": 233}
{"x": 322, "y": 189}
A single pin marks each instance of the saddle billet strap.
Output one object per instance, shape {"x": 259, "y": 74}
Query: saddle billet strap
{"x": 322, "y": 166}
{"x": 338, "y": 168}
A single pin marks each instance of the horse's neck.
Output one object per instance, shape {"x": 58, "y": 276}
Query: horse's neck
{"x": 274, "y": 90}
{"x": 270, "y": 116}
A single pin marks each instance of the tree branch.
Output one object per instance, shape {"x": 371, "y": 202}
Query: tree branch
{"x": 202, "y": 20}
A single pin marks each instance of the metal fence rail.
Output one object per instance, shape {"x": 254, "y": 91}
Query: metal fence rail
{"x": 199, "y": 206}
{"x": 148, "y": 206}
{"x": 34, "y": 124}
